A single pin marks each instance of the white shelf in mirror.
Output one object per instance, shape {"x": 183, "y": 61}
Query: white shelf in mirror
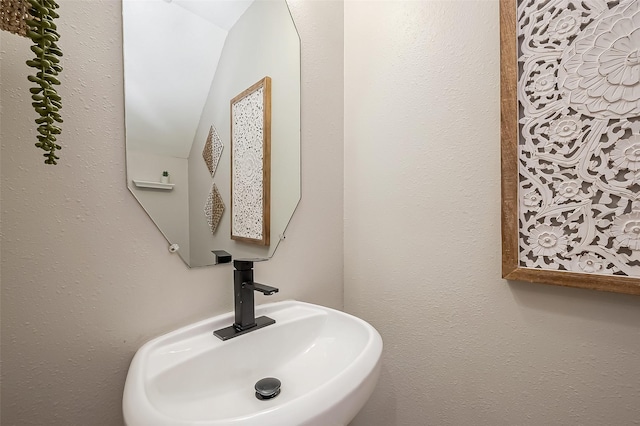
{"x": 153, "y": 185}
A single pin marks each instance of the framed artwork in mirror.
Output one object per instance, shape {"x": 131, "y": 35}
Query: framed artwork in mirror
{"x": 570, "y": 143}
{"x": 251, "y": 164}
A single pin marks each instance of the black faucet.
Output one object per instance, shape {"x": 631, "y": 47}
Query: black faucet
{"x": 243, "y": 288}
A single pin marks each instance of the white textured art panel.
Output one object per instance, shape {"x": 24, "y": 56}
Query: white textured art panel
{"x": 579, "y": 149}
{"x": 248, "y": 164}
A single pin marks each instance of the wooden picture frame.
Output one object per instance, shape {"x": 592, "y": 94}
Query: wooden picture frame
{"x": 513, "y": 266}
{"x": 251, "y": 164}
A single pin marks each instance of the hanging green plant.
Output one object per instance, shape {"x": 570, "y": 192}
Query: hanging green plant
{"x": 46, "y": 101}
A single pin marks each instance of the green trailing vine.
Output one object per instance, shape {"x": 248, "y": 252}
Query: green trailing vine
{"x": 46, "y": 101}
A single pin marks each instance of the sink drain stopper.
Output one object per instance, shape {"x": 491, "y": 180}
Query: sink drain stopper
{"x": 267, "y": 388}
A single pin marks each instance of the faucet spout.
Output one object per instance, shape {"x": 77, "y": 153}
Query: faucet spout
{"x": 267, "y": 290}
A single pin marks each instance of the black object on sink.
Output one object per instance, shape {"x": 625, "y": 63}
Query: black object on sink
{"x": 245, "y": 314}
{"x": 267, "y": 388}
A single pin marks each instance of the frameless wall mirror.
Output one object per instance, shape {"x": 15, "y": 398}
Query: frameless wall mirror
{"x": 185, "y": 62}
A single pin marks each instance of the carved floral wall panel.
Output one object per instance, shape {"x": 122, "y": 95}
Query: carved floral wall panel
{"x": 250, "y": 163}
{"x": 578, "y": 125}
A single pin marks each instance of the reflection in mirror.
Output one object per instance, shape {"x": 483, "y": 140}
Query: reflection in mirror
{"x": 184, "y": 61}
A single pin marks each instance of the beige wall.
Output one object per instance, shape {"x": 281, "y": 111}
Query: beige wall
{"x": 422, "y": 241}
{"x": 169, "y": 209}
{"x": 87, "y": 277}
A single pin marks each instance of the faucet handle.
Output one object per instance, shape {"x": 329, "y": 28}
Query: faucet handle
{"x": 246, "y": 264}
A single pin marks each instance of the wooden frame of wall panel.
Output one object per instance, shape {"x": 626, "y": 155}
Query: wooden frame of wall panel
{"x": 264, "y": 83}
{"x": 511, "y": 269}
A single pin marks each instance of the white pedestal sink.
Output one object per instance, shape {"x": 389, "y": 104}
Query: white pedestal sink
{"x": 327, "y": 361}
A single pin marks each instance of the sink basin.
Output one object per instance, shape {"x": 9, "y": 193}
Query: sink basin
{"x": 328, "y": 363}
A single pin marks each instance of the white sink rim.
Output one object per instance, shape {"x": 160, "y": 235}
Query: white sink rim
{"x": 340, "y": 397}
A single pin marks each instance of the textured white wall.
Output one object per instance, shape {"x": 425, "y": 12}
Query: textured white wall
{"x": 86, "y": 276}
{"x": 422, "y": 240}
